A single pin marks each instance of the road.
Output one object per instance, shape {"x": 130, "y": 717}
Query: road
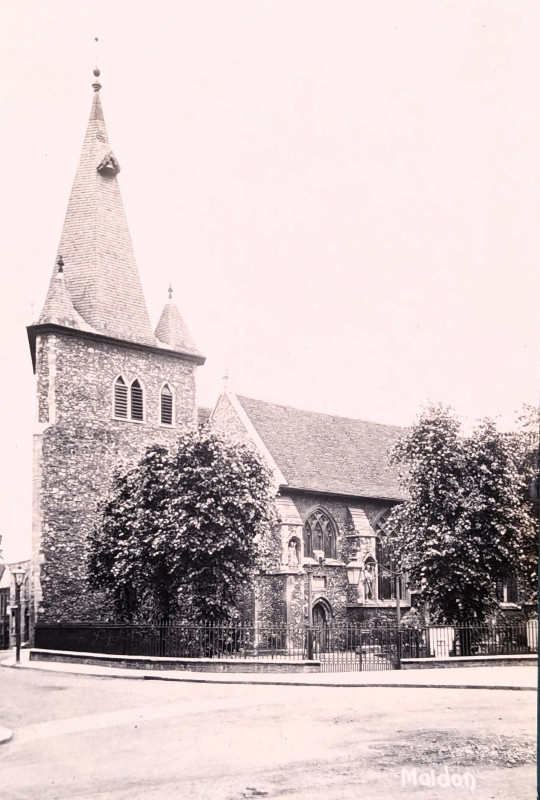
{"x": 89, "y": 737}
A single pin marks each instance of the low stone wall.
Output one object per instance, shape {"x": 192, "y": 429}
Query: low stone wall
{"x": 183, "y": 664}
{"x": 470, "y": 661}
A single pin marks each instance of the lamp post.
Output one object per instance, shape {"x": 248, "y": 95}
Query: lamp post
{"x": 319, "y": 555}
{"x": 354, "y": 568}
{"x": 18, "y": 574}
{"x": 397, "y": 592}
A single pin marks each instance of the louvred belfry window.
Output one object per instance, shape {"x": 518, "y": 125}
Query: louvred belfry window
{"x": 166, "y": 406}
{"x": 120, "y": 399}
{"x": 137, "y": 401}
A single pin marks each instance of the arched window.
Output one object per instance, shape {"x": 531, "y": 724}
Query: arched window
{"x": 137, "y": 407}
{"x": 120, "y": 398}
{"x": 166, "y": 410}
{"x": 386, "y": 559}
{"x": 320, "y": 534}
{"x": 507, "y": 589}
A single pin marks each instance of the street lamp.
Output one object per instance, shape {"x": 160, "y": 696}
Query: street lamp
{"x": 18, "y": 574}
{"x": 354, "y": 569}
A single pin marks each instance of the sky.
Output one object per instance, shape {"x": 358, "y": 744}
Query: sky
{"x": 344, "y": 196}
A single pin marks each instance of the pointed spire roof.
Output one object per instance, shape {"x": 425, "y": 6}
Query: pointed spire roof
{"x": 172, "y": 330}
{"x": 58, "y": 308}
{"x": 95, "y": 285}
{"x": 100, "y": 273}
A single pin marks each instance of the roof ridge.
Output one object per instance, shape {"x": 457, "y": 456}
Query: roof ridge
{"x": 321, "y": 413}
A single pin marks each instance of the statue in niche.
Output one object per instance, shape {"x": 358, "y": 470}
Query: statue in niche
{"x": 369, "y": 581}
{"x": 293, "y": 556}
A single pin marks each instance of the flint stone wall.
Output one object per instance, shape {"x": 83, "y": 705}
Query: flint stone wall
{"x": 78, "y": 448}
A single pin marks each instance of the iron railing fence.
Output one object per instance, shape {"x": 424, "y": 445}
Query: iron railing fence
{"x": 447, "y": 641}
{"x": 338, "y": 647}
{"x": 173, "y": 640}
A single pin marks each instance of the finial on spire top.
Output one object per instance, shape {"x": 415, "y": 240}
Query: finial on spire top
{"x": 96, "y": 85}
{"x": 170, "y": 291}
{"x": 60, "y": 264}
{"x": 226, "y": 379}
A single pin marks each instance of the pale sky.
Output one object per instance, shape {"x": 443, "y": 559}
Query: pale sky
{"x": 344, "y": 196}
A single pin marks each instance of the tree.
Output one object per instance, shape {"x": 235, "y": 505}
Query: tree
{"x": 469, "y": 520}
{"x": 178, "y": 535}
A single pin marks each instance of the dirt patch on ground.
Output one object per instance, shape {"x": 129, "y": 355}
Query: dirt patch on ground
{"x": 427, "y": 747}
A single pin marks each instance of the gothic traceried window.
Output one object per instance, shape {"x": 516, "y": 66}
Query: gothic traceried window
{"x": 320, "y": 534}
{"x": 386, "y": 559}
{"x": 507, "y": 589}
{"x": 166, "y": 411}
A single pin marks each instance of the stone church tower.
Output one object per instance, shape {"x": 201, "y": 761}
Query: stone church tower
{"x": 107, "y": 385}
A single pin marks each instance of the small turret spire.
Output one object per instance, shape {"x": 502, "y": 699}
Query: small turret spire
{"x": 60, "y": 264}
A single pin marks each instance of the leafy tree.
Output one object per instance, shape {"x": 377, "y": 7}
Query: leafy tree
{"x": 469, "y": 520}
{"x": 179, "y": 534}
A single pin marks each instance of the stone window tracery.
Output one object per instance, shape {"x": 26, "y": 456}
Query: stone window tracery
{"x": 507, "y": 589}
{"x": 386, "y": 559}
{"x": 320, "y": 534}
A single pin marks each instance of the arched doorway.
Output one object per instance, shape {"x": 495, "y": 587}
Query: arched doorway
{"x": 322, "y": 617}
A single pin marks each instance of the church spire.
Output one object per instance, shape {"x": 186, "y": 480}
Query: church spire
{"x": 172, "y": 330}
{"x": 100, "y": 271}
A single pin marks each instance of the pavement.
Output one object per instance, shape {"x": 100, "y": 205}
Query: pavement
{"x": 81, "y": 736}
{"x": 519, "y": 678}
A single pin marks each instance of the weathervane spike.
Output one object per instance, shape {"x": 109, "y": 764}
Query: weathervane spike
{"x": 96, "y": 85}
{"x": 170, "y": 290}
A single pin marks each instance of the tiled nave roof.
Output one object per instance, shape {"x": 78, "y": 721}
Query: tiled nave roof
{"x": 325, "y": 453}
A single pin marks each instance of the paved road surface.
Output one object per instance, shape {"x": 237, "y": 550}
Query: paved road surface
{"x": 89, "y": 737}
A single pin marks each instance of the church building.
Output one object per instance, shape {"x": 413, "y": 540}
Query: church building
{"x": 109, "y": 385}
{"x": 335, "y": 492}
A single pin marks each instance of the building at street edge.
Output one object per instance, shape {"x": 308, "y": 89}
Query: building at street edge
{"x": 109, "y": 385}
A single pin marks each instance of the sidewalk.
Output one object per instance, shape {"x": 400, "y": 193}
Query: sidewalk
{"x": 515, "y": 678}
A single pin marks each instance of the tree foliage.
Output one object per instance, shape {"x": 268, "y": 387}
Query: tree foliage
{"x": 179, "y": 534}
{"x": 470, "y": 519}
